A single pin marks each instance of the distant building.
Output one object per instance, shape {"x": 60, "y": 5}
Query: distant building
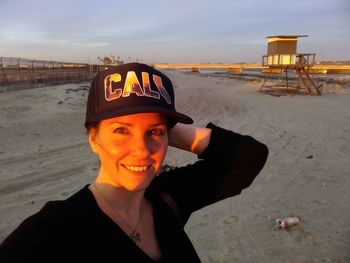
{"x": 111, "y": 60}
{"x": 282, "y": 50}
{"x": 282, "y": 58}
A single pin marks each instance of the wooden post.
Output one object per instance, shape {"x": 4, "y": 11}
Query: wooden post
{"x": 33, "y": 72}
{"x": 287, "y": 77}
{"x": 19, "y": 71}
{"x": 19, "y": 66}
{"x": 2, "y": 72}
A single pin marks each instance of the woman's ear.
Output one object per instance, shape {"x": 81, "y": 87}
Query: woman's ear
{"x": 92, "y": 139}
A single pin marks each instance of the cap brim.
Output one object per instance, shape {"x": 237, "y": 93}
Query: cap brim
{"x": 172, "y": 115}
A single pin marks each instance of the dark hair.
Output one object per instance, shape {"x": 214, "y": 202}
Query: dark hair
{"x": 91, "y": 125}
{"x": 171, "y": 123}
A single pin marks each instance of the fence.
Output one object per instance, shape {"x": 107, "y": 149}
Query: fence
{"x": 18, "y": 73}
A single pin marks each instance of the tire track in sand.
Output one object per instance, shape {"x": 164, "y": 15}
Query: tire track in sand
{"x": 35, "y": 168}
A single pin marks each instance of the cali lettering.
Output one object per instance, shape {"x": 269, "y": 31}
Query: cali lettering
{"x": 132, "y": 85}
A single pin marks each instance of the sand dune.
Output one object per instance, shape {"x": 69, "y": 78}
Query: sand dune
{"x": 44, "y": 155}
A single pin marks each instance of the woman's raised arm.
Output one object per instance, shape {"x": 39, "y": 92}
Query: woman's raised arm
{"x": 189, "y": 137}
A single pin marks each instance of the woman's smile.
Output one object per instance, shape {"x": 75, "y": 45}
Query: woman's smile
{"x": 137, "y": 168}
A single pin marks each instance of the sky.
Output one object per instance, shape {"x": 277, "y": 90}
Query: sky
{"x": 164, "y": 31}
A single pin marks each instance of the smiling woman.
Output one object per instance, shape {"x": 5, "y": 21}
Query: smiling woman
{"x": 135, "y": 211}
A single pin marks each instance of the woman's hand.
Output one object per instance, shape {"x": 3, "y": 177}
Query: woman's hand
{"x": 189, "y": 138}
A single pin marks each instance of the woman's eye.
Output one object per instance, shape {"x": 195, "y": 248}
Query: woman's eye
{"x": 121, "y": 130}
{"x": 157, "y": 132}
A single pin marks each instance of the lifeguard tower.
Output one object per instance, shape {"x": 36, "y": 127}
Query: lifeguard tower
{"x": 287, "y": 71}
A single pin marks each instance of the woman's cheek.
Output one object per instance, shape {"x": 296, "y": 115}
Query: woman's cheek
{"x": 114, "y": 147}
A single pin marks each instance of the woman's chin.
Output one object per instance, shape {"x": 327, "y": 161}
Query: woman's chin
{"x": 137, "y": 185}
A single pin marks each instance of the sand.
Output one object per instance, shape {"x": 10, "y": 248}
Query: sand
{"x": 44, "y": 155}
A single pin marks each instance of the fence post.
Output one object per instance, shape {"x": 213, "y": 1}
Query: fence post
{"x": 33, "y": 72}
{"x": 19, "y": 66}
{"x": 63, "y": 77}
{"x": 19, "y": 71}
{"x": 2, "y": 72}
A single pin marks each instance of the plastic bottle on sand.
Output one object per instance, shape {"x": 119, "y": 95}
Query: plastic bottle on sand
{"x": 287, "y": 222}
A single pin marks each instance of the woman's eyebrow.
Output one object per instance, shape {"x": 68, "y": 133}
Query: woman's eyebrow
{"x": 130, "y": 124}
{"x": 158, "y": 124}
{"x": 121, "y": 123}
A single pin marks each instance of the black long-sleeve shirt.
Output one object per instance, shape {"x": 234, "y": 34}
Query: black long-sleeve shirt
{"x": 76, "y": 229}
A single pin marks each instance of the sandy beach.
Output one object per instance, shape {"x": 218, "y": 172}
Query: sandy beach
{"x": 44, "y": 155}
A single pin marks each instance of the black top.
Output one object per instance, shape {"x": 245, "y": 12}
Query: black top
{"x": 77, "y": 230}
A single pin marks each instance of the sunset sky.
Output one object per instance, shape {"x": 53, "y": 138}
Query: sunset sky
{"x": 181, "y": 31}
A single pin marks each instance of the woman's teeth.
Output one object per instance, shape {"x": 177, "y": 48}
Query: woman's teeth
{"x": 136, "y": 168}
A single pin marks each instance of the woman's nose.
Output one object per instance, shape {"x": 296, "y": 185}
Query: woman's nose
{"x": 140, "y": 147}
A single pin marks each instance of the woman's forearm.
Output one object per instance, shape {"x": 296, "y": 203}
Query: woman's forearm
{"x": 189, "y": 138}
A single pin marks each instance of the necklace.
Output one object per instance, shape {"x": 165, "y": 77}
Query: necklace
{"x": 134, "y": 236}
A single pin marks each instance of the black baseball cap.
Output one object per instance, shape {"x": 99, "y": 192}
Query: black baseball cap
{"x": 131, "y": 88}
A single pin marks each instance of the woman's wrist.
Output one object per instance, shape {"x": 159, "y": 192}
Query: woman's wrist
{"x": 189, "y": 138}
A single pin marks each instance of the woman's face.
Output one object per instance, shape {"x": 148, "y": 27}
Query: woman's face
{"x": 131, "y": 149}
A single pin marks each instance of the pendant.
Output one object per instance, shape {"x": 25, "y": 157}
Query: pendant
{"x": 135, "y": 236}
